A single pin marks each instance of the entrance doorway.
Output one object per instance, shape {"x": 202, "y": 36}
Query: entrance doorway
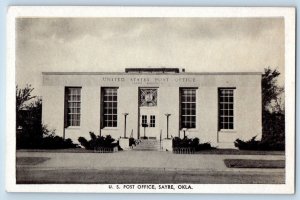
{"x": 148, "y": 113}
{"x": 149, "y": 123}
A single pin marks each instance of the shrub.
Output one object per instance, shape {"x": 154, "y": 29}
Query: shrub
{"x": 84, "y": 142}
{"x": 265, "y": 145}
{"x": 273, "y": 115}
{"x": 191, "y": 143}
{"x": 97, "y": 141}
{"x": 27, "y": 139}
{"x": 55, "y": 142}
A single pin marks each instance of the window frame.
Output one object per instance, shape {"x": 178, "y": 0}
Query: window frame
{"x": 144, "y": 119}
{"x": 221, "y": 128}
{"x": 104, "y": 102}
{"x": 68, "y": 123}
{"x": 152, "y": 121}
{"x": 181, "y": 89}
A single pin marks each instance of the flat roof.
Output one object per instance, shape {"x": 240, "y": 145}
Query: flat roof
{"x": 152, "y": 70}
{"x": 152, "y": 73}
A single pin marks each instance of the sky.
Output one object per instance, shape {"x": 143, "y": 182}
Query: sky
{"x": 113, "y": 44}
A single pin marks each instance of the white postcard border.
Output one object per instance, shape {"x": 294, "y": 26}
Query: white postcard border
{"x": 114, "y": 11}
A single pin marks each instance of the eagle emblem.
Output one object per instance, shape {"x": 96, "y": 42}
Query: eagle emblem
{"x": 149, "y": 97}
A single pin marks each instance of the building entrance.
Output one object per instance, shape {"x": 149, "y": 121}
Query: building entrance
{"x": 149, "y": 123}
{"x": 148, "y": 113}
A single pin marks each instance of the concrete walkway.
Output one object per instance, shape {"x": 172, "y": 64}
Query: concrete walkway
{"x": 143, "y": 160}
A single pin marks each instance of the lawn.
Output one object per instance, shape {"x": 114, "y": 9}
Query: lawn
{"x": 248, "y": 163}
{"x": 31, "y": 160}
{"x": 240, "y": 152}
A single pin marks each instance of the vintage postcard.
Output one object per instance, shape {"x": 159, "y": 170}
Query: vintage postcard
{"x": 150, "y": 100}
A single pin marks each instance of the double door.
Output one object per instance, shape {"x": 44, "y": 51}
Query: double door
{"x": 148, "y": 123}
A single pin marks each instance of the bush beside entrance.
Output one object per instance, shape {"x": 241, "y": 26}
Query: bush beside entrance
{"x": 191, "y": 143}
{"x": 97, "y": 142}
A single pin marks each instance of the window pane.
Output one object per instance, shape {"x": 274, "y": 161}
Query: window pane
{"x": 188, "y": 108}
{"x": 144, "y": 119}
{"x": 226, "y": 101}
{"x": 152, "y": 120}
{"x": 73, "y": 104}
{"x": 110, "y": 107}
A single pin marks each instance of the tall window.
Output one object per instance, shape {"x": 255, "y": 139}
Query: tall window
{"x": 226, "y": 108}
{"x": 188, "y": 107}
{"x": 110, "y": 107}
{"x": 73, "y": 103}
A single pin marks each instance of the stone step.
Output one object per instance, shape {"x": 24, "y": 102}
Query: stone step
{"x": 148, "y": 145}
{"x": 147, "y": 149}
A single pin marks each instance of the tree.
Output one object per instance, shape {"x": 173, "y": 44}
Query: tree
{"x": 29, "y": 118}
{"x": 273, "y": 116}
{"x": 23, "y": 96}
{"x": 33, "y": 133}
{"x": 271, "y": 92}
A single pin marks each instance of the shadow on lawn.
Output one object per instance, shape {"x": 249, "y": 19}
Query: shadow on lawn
{"x": 249, "y": 163}
{"x": 31, "y": 160}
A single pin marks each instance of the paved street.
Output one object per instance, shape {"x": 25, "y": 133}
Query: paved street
{"x": 135, "y": 176}
{"x": 142, "y": 167}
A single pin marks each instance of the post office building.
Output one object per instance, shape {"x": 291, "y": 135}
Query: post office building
{"x": 216, "y": 107}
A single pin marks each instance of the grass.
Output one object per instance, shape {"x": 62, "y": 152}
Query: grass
{"x": 248, "y": 163}
{"x": 239, "y": 152}
{"x": 31, "y": 160}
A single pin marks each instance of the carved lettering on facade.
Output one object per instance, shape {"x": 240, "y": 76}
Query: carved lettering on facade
{"x": 149, "y": 80}
{"x": 113, "y": 79}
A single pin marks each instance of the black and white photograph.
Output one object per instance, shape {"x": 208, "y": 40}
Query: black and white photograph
{"x": 159, "y": 100}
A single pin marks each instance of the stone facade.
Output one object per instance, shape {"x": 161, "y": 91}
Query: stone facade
{"x": 247, "y": 104}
